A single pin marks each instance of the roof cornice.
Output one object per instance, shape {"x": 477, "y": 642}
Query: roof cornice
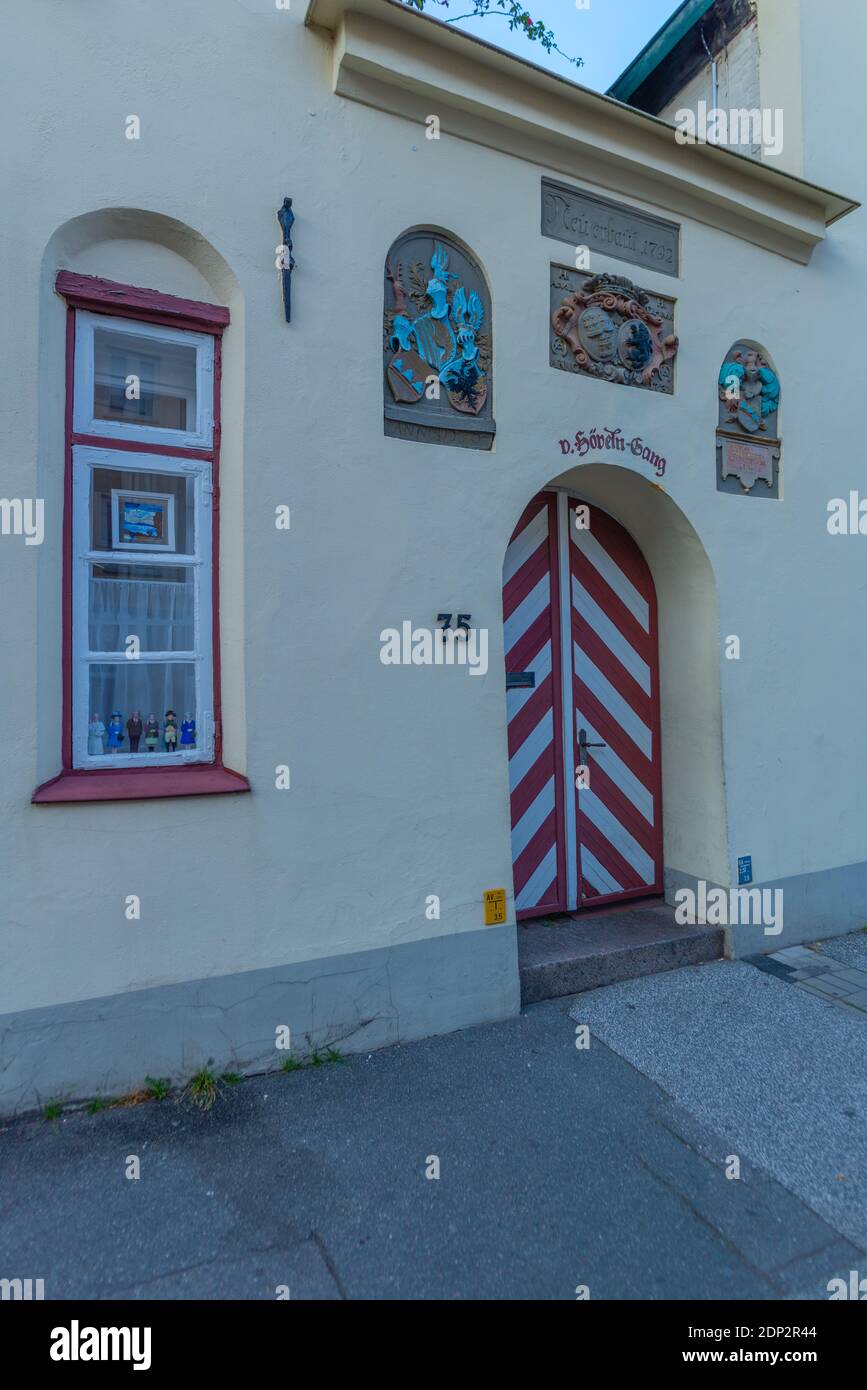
{"x": 397, "y": 60}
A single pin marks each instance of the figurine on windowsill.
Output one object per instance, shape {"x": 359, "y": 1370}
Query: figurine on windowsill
{"x": 95, "y": 736}
{"x": 188, "y": 732}
{"x": 134, "y": 729}
{"x": 152, "y": 733}
{"x": 170, "y": 731}
{"x": 115, "y": 732}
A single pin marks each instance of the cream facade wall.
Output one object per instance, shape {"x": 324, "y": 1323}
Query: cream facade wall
{"x": 399, "y": 784}
{"x": 781, "y": 73}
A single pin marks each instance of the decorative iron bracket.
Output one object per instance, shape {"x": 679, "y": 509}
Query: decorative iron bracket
{"x": 285, "y": 259}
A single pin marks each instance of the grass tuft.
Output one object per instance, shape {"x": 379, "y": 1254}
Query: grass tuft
{"x": 202, "y": 1089}
{"x": 100, "y": 1103}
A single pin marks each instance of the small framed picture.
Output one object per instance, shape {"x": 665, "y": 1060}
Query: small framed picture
{"x": 142, "y": 520}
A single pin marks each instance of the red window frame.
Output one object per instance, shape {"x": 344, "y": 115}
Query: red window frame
{"x": 89, "y": 292}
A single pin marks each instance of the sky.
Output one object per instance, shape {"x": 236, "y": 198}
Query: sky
{"x": 607, "y": 35}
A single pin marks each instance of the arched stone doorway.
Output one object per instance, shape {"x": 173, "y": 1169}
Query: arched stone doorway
{"x": 613, "y": 695}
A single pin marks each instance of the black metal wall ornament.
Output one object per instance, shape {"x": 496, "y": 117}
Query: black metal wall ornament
{"x": 285, "y": 259}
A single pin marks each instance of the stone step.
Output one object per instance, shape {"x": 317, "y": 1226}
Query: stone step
{"x": 584, "y": 950}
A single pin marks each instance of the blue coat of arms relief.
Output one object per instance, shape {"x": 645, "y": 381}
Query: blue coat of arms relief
{"x": 437, "y": 346}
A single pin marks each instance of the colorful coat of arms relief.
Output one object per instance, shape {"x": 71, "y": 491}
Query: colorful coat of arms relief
{"x": 749, "y": 390}
{"x": 748, "y": 444}
{"x": 608, "y": 327}
{"x": 437, "y": 345}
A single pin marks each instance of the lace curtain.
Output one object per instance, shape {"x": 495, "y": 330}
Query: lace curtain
{"x": 159, "y": 613}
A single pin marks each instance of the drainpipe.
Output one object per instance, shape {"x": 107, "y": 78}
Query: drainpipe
{"x": 714, "y": 73}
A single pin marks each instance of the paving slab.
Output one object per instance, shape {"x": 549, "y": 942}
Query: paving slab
{"x": 827, "y": 984}
{"x": 857, "y": 978}
{"x": 795, "y": 955}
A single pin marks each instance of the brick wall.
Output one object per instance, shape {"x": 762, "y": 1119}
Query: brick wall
{"x": 738, "y": 77}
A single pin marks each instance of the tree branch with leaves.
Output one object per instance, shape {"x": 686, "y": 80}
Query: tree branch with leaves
{"x": 517, "y": 15}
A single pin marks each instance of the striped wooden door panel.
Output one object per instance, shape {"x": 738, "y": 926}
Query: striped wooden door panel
{"x": 531, "y": 614}
{"x": 616, "y": 701}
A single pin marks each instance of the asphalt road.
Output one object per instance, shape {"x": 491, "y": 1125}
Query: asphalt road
{"x": 558, "y": 1167}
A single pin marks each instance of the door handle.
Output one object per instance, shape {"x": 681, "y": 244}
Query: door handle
{"x": 583, "y": 745}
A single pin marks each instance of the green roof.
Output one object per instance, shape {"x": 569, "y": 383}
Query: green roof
{"x": 653, "y": 53}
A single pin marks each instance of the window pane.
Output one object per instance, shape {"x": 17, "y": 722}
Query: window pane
{"x": 132, "y": 510}
{"x": 144, "y": 381}
{"x": 127, "y": 694}
{"x": 153, "y": 603}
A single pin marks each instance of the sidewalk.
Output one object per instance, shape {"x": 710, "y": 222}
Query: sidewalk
{"x": 559, "y": 1167}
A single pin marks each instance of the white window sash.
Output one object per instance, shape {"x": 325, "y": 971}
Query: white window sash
{"x": 84, "y": 420}
{"x": 86, "y": 458}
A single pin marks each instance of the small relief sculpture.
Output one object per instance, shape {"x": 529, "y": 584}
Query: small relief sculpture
{"x": 611, "y": 330}
{"x": 749, "y": 391}
{"x": 747, "y": 435}
{"x": 437, "y": 344}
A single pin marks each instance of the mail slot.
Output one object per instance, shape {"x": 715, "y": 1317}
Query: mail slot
{"x": 520, "y": 680}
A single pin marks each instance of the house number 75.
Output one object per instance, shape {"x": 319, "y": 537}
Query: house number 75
{"x": 462, "y": 626}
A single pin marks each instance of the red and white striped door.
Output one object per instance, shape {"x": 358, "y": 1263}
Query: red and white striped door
{"x": 581, "y": 660}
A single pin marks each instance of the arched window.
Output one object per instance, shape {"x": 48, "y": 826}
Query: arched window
{"x": 437, "y": 344}
{"x": 141, "y": 656}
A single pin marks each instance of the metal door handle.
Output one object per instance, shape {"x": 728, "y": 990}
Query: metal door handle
{"x": 583, "y": 745}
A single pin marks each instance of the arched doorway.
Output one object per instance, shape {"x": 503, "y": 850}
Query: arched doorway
{"x": 583, "y": 708}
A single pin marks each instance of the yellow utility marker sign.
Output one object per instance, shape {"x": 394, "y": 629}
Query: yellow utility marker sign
{"x": 495, "y": 906}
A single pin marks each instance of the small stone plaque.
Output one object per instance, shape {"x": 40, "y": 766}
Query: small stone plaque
{"x": 609, "y": 228}
{"x": 747, "y": 466}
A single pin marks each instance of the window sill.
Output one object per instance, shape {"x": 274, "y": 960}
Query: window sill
{"x": 139, "y": 784}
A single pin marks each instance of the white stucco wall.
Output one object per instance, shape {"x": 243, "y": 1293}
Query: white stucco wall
{"x": 834, "y": 42}
{"x": 399, "y": 778}
{"x": 781, "y": 73}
